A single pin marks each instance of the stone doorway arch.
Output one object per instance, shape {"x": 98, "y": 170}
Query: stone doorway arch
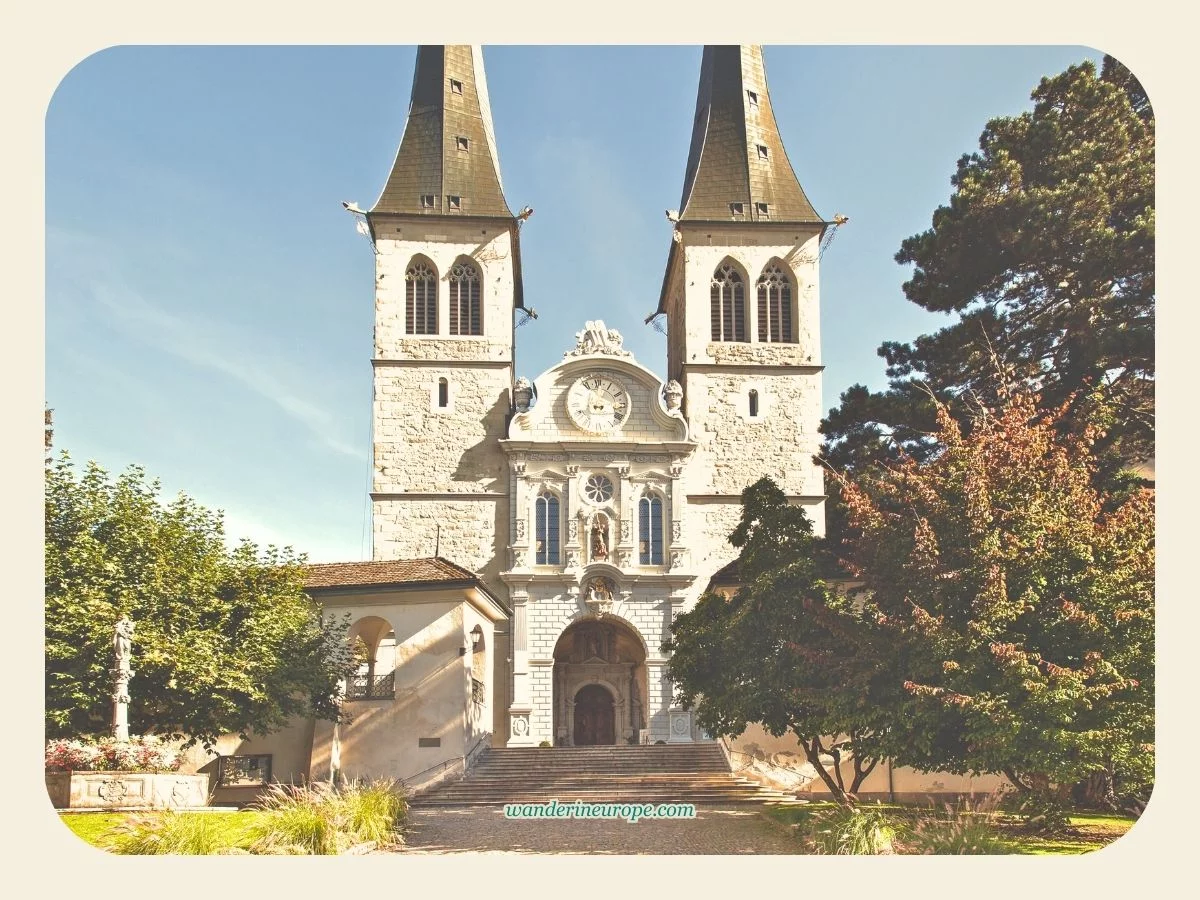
{"x": 599, "y": 678}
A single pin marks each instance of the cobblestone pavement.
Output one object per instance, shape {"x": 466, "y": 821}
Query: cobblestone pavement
{"x": 483, "y": 829}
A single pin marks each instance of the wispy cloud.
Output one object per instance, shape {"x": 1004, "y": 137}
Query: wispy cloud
{"x": 94, "y": 269}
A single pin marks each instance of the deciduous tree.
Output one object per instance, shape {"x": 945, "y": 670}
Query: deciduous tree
{"x": 226, "y": 641}
{"x": 786, "y": 650}
{"x": 1023, "y": 603}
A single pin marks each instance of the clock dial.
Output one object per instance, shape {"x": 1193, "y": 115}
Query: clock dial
{"x": 598, "y": 403}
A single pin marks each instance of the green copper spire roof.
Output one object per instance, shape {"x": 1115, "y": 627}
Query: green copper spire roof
{"x": 447, "y": 163}
{"x": 737, "y": 168}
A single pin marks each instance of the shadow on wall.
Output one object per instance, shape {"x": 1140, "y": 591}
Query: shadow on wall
{"x": 484, "y": 460}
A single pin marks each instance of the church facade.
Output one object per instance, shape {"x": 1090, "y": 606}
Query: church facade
{"x": 533, "y": 539}
{"x": 596, "y": 499}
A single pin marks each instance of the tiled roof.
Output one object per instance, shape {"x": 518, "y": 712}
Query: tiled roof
{"x": 431, "y": 570}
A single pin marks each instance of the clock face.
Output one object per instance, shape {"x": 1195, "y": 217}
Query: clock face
{"x": 597, "y": 403}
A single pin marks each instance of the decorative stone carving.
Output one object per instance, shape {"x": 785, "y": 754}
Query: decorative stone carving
{"x": 673, "y": 394}
{"x": 522, "y": 393}
{"x": 626, "y": 531}
{"x": 624, "y": 558}
{"x": 596, "y": 338}
{"x": 572, "y": 559}
{"x": 520, "y": 529}
{"x": 573, "y": 530}
{"x": 680, "y": 727}
{"x": 572, "y": 469}
{"x": 677, "y": 559}
{"x": 518, "y": 467}
{"x": 676, "y": 530}
{"x": 599, "y": 597}
{"x": 676, "y": 469}
{"x": 520, "y": 726}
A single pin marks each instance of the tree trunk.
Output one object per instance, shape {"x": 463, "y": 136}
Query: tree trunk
{"x": 812, "y": 752}
{"x": 861, "y": 772}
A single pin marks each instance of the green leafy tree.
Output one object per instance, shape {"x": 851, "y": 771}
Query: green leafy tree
{"x": 1045, "y": 255}
{"x": 1022, "y": 602}
{"x": 786, "y": 650}
{"x": 226, "y": 641}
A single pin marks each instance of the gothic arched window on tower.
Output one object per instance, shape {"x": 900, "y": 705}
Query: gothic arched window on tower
{"x": 774, "y": 306}
{"x": 420, "y": 299}
{"x": 545, "y": 514}
{"x": 728, "y": 304}
{"x": 650, "y": 531}
{"x": 465, "y": 317}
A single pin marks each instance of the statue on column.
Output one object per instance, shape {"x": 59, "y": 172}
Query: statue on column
{"x": 123, "y": 654}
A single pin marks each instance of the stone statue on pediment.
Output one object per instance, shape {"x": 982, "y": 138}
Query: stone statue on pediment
{"x": 596, "y": 337}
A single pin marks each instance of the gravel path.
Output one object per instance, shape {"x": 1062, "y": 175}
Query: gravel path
{"x": 484, "y": 829}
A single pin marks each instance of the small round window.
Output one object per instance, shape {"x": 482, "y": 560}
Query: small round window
{"x": 598, "y": 489}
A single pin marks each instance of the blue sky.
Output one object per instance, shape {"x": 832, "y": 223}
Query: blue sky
{"x": 209, "y": 304}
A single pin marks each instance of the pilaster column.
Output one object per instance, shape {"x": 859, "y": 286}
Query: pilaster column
{"x": 519, "y": 712}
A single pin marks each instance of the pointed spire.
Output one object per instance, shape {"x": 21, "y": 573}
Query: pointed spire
{"x": 737, "y": 162}
{"x": 447, "y": 163}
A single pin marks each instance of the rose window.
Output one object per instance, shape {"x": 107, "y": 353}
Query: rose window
{"x": 597, "y": 489}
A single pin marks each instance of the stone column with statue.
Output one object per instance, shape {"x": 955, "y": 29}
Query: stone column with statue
{"x": 122, "y": 673}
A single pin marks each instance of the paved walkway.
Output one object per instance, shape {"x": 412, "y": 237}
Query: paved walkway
{"x": 483, "y": 829}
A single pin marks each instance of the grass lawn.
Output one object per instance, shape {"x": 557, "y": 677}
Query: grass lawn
{"x": 104, "y": 829}
{"x": 1087, "y": 831}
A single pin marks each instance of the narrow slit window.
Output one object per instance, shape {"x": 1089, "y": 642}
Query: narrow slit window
{"x": 455, "y": 86}
{"x": 754, "y": 404}
{"x": 752, "y": 98}
{"x": 427, "y": 201}
{"x": 762, "y": 153}
{"x": 545, "y": 514}
{"x": 463, "y": 143}
{"x": 443, "y": 393}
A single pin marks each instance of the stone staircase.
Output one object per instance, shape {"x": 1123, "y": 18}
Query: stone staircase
{"x": 691, "y": 773}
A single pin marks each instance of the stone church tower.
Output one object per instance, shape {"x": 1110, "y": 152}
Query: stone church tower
{"x": 447, "y": 278}
{"x": 741, "y": 299}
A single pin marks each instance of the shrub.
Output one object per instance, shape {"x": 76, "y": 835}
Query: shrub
{"x": 170, "y": 832}
{"x": 964, "y": 829}
{"x": 544, "y": 744}
{"x": 323, "y": 820}
{"x": 1040, "y": 813}
{"x": 853, "y": 831}
{"x": 138, "y": 754}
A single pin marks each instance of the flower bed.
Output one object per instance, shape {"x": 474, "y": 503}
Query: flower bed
{"x": 141, "y": 773}
{"x": 138, "y": 754}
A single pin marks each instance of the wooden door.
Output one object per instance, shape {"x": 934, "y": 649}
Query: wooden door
{"x": 595, "y": 721}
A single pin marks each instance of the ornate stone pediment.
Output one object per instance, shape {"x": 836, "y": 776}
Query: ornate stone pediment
{"x": 597, "y": 338}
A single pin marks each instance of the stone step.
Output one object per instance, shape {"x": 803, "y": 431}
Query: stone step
{"x": 656, "y": 773}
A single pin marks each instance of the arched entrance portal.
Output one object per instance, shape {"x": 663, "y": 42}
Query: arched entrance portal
{"x": 599, "y": 683}
{"x": 595, "y": 717}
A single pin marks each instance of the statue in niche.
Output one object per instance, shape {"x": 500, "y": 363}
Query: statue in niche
{"x": 599, "y": 539}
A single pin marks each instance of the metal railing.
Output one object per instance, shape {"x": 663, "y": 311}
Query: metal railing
{"x": 371, "y": 687}
{"x": 478, "y": 693}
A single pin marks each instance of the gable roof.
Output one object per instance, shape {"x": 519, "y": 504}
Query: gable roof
{"x": 431, "y": 570}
